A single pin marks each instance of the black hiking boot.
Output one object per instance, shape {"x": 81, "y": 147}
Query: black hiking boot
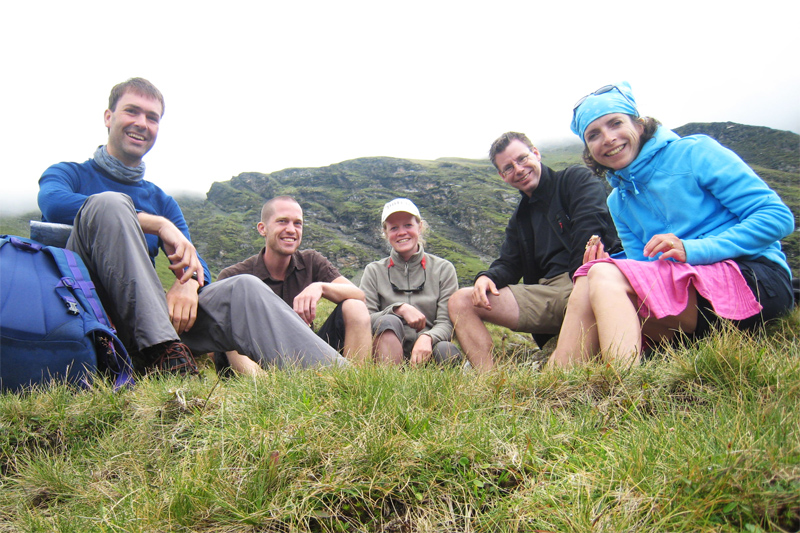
{"x": 174, "y": 358}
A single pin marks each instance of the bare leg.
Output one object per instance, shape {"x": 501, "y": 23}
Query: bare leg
{"x": 468, "y": 321}
{"x": 578, "y": 340}
{"x": 388, "y": 349}
{"x": 357, "y": 331}
{"x": 619, "y": 327}
{"x": 666, "y": 328}
{"x": 242, "y": 364}
{"x": 602, "y": 317}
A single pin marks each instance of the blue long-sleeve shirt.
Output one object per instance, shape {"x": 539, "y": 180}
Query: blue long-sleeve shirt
{"x": 65, "y": 186}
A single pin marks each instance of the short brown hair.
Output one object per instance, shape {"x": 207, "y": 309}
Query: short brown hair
{"x": 139, "y": 86}
{"x": 650, "y": 126}
{"x": 269, "y": 206}
{"x": 501, "y": 143}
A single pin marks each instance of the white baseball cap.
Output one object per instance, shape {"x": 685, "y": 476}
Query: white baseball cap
{"x": 399, "y": 205}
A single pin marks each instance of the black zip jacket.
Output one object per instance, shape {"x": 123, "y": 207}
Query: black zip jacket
{"x": 547, "y": 234}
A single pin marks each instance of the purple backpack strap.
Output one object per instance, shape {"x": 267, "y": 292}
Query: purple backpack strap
{"x": 78, "y": 281}
{"x": 123, "y": 370}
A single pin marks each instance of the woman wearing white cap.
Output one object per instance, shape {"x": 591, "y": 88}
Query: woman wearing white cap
{"x": 407, "y": 293}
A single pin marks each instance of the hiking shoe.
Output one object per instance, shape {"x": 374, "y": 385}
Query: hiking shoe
{"x": 175, "y": 358}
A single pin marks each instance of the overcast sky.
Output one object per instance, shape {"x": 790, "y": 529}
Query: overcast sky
{"x": 262, "y": 86}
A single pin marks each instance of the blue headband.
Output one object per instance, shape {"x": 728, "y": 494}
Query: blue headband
{"x": 605, "y": 100}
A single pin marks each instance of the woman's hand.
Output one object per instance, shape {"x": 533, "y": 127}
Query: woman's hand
{"x": 412, "y": 316}
{"x": 594, "y": 250}
{"x": 423, "y": 348}
{"x": 668, "y": 245}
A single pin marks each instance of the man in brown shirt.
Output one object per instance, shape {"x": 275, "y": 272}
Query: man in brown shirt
{"x": 301, "y": 278}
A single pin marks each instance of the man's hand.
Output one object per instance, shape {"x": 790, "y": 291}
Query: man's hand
{"x": 483, "y": 285}
{"x": 182, "y": 305}
{"x": 181, "y": 253}
{"x": 305, "y": 303}
{"x": 182, "y": 256}
{"x": 423, "y": 348}
{"x": 412, "y": 316}
{"x": 668, "y": 244}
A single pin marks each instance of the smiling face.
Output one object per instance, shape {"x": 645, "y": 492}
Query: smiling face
{"x": 520, "y": 166}
{"x": 614, "y": 140}
{"x": 283, "y": 231}
{"x": 132, "y": 127}
{"x": 402, "y": 232}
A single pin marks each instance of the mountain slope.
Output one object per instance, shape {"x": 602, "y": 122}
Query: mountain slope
{"x": 465, "y": 202}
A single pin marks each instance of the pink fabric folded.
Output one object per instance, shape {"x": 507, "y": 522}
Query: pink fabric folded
{"x": 663, "y": 286}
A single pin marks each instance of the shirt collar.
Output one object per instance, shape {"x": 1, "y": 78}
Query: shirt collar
{"x": 295, "y": 263}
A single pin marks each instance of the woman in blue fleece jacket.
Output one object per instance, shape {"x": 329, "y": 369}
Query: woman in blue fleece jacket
{"x": 700, "y": 231}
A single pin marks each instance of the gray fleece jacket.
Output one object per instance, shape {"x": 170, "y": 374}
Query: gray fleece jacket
{"x": 440, "y": 282}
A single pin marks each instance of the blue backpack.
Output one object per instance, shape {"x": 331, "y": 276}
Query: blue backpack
{"x": 52, "y": 325}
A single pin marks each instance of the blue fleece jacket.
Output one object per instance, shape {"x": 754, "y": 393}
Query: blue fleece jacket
{"x": 703, "y": 193}
{"x": 65, "y": 186}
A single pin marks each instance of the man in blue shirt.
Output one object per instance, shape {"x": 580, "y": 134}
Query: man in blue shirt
{"x": 120, "y": 221}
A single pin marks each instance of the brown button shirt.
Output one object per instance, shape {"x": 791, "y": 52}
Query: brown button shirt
{"x": 305, "y": 267}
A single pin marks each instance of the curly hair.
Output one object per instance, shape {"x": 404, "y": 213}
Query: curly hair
{"x": 650, "y": 126}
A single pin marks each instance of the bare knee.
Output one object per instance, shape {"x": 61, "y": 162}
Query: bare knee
{"x": 605, "y": 279}
{"x": 355, "y": 312}
{"x": 388, "y": 348}
{"x": 460, "y": 302}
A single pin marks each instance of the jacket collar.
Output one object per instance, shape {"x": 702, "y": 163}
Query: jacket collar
{"x": 640, "y": 171}
{"x": 415, "y": 259}
{"x": 544, "y": 190}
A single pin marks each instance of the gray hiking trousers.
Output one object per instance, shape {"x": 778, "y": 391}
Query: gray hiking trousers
{"x": 239, "y": 313}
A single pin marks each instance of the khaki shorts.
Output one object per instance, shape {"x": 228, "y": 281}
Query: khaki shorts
{"x": 542, "y": 306}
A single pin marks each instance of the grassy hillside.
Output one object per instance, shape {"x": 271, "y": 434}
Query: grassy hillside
{"x": 705, "y": 438}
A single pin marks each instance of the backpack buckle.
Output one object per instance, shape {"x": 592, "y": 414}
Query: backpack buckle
{"x": 72, "y": 306}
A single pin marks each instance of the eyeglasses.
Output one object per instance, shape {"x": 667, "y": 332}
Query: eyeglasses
{"x": 510, "y": 168}
{"x": 602, "y": 90}
{"x": 395, "y": 288}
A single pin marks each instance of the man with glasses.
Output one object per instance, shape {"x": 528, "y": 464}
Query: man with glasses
{"x": 301, "y": 279}
{"x": 546, "y": 241}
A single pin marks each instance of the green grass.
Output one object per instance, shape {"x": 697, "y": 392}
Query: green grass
{"x": 703, "y": 438}
{"x": 18, "y": 224}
